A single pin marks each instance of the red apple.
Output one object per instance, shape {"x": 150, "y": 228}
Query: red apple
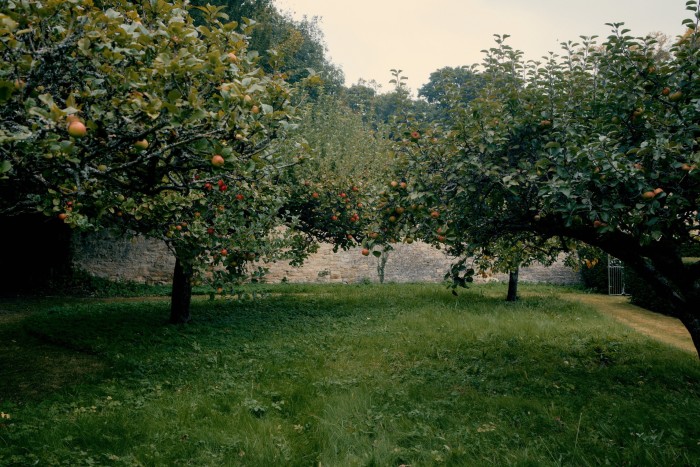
{"x": 365, "y": 252}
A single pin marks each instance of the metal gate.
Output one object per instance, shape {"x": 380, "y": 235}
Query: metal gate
{"x": 616, "y": 276}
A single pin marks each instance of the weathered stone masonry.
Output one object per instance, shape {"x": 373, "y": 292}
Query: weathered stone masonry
{"x": 149, "y": 261}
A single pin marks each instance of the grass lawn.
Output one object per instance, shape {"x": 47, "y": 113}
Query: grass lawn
{"x": 342, "y": 376}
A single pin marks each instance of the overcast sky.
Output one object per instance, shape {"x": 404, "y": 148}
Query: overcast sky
{"x": 367, "y": 38}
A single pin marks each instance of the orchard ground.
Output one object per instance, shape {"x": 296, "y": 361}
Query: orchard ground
{"x": 344, "y": 375}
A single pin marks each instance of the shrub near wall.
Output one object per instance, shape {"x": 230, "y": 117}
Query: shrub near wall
{"x": 595, "y": 278}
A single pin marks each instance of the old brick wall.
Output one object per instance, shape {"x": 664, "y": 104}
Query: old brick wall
{"x": 149, "y": 261}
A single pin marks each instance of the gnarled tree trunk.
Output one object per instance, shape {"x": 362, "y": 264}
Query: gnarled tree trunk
{"x": 182, "y": 292}
{"x": 691, "y": 321}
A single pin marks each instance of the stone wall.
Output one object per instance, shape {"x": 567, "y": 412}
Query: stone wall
{"x": 149, "y": 261}
{"x": 138, "y": 259}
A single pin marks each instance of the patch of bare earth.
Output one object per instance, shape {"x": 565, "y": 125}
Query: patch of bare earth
{"x": 662, "y": 328}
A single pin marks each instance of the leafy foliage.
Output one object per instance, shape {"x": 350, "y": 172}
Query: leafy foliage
{"x": 284, "y": 45}
{"x": 598, "y": 145}
{"x": 133, "y": 117}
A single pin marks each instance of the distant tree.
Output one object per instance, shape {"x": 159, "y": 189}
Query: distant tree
{"x": 285, "y": 45}
{"x": 450, "y": 87}
{"x": 347, "y": 159}
{"x": 360, "y": 96}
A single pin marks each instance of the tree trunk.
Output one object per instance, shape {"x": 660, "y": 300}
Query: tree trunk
{"x": 692, "y": 324}
{"x": 381, "y": 265}
{"x": 182, "y": 293}
{"x": 513, "y": 285}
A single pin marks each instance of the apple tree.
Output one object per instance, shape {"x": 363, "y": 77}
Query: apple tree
{"x": 333, "y": 192}
{"x": 598, "y": 145}
{"x": 131, "y": 117}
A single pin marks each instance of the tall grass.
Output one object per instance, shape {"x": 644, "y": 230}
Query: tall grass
{"x": 349, "y": 375}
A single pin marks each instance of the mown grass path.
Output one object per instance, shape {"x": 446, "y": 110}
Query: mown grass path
{"x": 662, "y": 328}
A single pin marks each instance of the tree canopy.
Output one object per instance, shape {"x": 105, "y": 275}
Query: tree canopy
{"x": 598, "y": 144}
{"x": 133, "y": 117}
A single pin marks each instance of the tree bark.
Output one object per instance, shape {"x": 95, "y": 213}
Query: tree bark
{"x": 692, "y": 323}
{"x": 182, "y": 293}
{"x": 513, "y": 285}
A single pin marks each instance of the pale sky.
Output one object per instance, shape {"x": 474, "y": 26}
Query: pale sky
{"x": 367, "y": 38}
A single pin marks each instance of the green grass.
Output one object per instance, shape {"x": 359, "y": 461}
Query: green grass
{"x": 343, "y": 375}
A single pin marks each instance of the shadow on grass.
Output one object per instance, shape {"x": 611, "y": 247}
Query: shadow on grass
{"x": 81, "y": 340}
{"x": 47, "y": 346}
{"x": 410, "y": 365}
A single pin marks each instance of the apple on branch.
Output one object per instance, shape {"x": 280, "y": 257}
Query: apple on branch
{"x": 217, "y": 160}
